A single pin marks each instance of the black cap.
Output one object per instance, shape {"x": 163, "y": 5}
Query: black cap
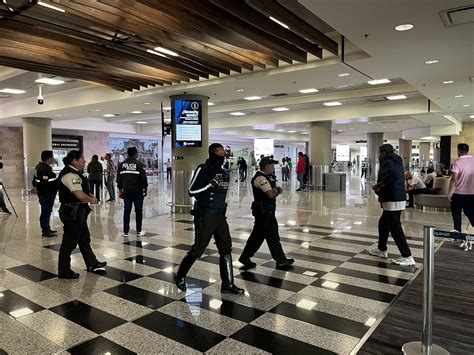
{"x": 267, "y": 161}
{"x": 214, "y": 146}
{"x": 386, "y": 148}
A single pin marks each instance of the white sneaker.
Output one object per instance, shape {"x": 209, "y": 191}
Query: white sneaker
{"x": 379, "y": 253}
{"x": 409, "y": 261}
{"x": 141, "y": 234}
{"x": 125, "y": 235}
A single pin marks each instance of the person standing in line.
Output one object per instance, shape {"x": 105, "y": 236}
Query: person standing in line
{"x": 132, "y": 183}
{"x": 45, "y": 184}
{"x": 265, "y": 192}
{"x": 75, "y": 196}
{"x": 169, "y": 169}
{"x": 111, "y": 175}
{"x": 95, "y": 169}
{"x": 209, "y": 186}
{"x": 364, "y": 166}
{"x": 300, "y": 169}
{"x": 390, "y": 188}
{"x": 461, "y": 188}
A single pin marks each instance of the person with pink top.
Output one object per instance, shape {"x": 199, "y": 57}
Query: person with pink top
{"x": 461, "y": 188}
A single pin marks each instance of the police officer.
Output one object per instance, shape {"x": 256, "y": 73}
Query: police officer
{"x": 209, "y": 186}
{"x": 265, "y": 192}
{"x": 45, "y": 184}
{"x": 132, "y": 184}
{"x": 74, "y": 195}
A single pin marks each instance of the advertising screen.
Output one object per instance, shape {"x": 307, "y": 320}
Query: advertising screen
{"x": 342, "y": 152}
{"x": 188, "y": 121}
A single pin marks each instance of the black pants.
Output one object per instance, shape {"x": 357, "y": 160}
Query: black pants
{"x": 364, "y": 173}
{"x": 264, "y": 228}
{"x": 207, "y": 225}
{"x": 412, "y": 193}
{"x": 75, "y": 232}
{"x": 98, "y": 185}
{"x": 168, "y": 172}
{"x": 47, "y": 204}
{"x": 389, "y": 222}
{"x": 461, "y": 203}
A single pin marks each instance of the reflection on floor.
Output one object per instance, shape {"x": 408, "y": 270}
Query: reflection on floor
{"x": 326, "y": 303}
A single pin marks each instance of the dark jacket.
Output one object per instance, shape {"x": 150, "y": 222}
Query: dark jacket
{"x": 131, "y": 176}
{"x": 95, "y": 169}
{"x": 261, "y": 202}
{"x": 391, "y": 179}
{"x": 45, "y": 180}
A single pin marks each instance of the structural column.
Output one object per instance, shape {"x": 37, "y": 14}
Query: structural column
{"x": 187, "y": 158}
{"x": 445, "y": 151}
{"x": 404, "y": 151}
{"x": 374, "y": 141}
{"x": 36, "y": 138}
{"x": 320, "y": 150}
{"x": 424, "y": 154}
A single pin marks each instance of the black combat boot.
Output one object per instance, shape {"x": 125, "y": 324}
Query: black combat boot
{"x": 227, "y": 276}
{"x": 180, "y": 277}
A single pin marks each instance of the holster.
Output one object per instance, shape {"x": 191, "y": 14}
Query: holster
{"x": 75, "y": 212}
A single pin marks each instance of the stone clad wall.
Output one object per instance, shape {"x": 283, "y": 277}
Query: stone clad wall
{"x": 466, "y": 136}
{"x": 11, "y": 150}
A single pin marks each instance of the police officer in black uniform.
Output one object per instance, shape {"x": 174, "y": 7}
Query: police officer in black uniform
{"x": 46, "y": 186}
{"x": 209, "y": 186}
{"x": 265, "y": 191}
{"x": 75, "y": 196}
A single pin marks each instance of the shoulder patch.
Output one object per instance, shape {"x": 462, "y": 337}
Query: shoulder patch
{"x": 263, "y": 182}
{"x": 76, "y": 181}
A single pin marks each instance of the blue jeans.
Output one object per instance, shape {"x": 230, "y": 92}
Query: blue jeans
{"x": 133, "y": 198}
{"x": 301, "y": 180}
{"x": 111, "y": 187}
{"x": 47, "y": 203}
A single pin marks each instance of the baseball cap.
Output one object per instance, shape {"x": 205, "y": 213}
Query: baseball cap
{"x": 267, "y": 161}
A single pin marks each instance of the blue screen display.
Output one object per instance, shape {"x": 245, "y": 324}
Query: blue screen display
{"x": 188, "y": 123}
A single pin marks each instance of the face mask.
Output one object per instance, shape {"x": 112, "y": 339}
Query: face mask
{"x": 216, "y": 160}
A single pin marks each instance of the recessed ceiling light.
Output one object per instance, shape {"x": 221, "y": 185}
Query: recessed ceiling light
{"x": 239, "y": 90}
{"x": 137, "y": 112}
{"x": 458, "y": 96}
{"x": 291, "y": 131}
{"x": 404, "y": 27}
{"x": 279, "y": 22}
{"x": 466, "y": 105}
{"x": 166, "y": 51}
{"x": 210, "y": 104}
{"x": 432, "y": 61}
{"x": 396, "y": 97}
{"x": 12, "y": 91}
{"x": 448, "y": 82}
{"x": 304, "y": 133}
{"x": 237, "y": 113}
{"x": 251, "y": 98}
{"x": 280, "y": 109}
{"x": 308, "y": 91}
{"x": 141, "y": 122}
{"x": 49, "y": 81}
{"x": 58, "y": 115}
{"x": 155, "y": 53}
{"x": 280, "y": 130}
{"x": 332, "y": 103}
{"x": 147, "y": 103}
{"x": 378, "y": 81}
{"x": 167, "y": 108}
{"x": 339, "y": 130}
{"x": 109, "y": 115}
{"x": 97, "y": 110}
{"x": 343, "y": 74}
{"x": 52, "y": 7}
{"x": 471, "y": 116}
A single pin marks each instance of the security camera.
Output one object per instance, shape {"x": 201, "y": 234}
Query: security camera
{"x": 40, "y": 96}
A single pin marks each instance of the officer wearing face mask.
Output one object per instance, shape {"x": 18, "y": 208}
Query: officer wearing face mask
{"x": 209, "y": 186}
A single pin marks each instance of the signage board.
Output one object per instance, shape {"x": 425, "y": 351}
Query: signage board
{"x": 342, "y": 152}
{"x": 66, "y": 142}
{"x": 188, "y": 123}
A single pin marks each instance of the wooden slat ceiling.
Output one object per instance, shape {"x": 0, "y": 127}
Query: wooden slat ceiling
{"x": 106, "y": 41}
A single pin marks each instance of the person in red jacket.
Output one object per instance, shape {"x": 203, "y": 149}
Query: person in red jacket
{"x": 300, "y": 170}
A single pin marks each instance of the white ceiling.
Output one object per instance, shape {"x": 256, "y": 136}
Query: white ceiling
{"x": 375, "y": 48}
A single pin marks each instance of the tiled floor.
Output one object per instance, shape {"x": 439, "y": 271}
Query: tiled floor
{"x": 325, "y": 304}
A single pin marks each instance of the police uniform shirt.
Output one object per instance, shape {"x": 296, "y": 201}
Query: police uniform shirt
{"x": 262, "y": 183}
{"x": 72, "y": 181}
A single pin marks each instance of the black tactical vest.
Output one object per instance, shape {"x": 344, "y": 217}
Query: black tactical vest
{"x": 66, "y": 196}
{"x": 214, "y": 198}
{"x": 266, "y": 203}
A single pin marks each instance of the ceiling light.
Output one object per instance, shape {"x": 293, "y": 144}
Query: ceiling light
{"x": 167, "y": 108}
{"x": 97, "y": 110}
{"x": 396, "y": 97}
{"x": 458, "y": 96}
{"x": 251, "y": 98}
{"x": 166, "y": 51}
{"x": 308, "y": 91}
{"x": 304, "y": 133}
{"x": 280, "y": 130}
{"x": 141, "y": 122}
{"x": 210, "y": 104}
{"x": 52, "y": 7}
{"x": 471, "y": 116}
{"x": 448, "y": 82}
{"x": 291, "y": 131}
{"x": 239, "y": 90}
{"x": 432, "y": 61}
{"x": 378, "y": 82}
{"x": 341, "y": 75}
{"x": 339, "y": 130}
{"x": 147, "y": 103}
{"x": 237, "y": 113}
{"x": 280, "y": 109}
{"x": 57, "y": 115}
{"x": 279, "y": 22}
{"x": 109, "y": 115}
{"x": 404, "y": 27}
{"x": 332, "y": 103}
{"x": 466, "y": 105}
{"x": 49, "y": 81}
{"x": 137, "y": 112}
{"x": 155, "y": 53}
{"x": 12, "y": 91}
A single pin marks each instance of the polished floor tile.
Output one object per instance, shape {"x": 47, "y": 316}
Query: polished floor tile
{"x": 42, "y": 295}
{"x": 144, "y": 245}
{"x": 369, "y": 276}
{"x": 139, "y": 296}
{"x": 119, "y": 275}
{"x": 232, "y": 346}
{"x": 99, "y": 345}
{"x": 191, "y": 282}
{"x": 56, "y": 247}
{"x": 32, "y": 273}
{"x": 148, "y": 261}
{"x": 87, "y": 316}
{"x": 17, "y": 306}
{"x": 270, "y": 281}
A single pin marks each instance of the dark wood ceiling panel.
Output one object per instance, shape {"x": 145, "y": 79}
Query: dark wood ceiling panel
{"x": 105, "y": 42}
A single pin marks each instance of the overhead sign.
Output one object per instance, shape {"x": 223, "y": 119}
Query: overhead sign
{"x": 188, "y": 123}
{"x": 263, "y": 146}
{"x": 66, "y": 142}
{"x": 342, "y": 152}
